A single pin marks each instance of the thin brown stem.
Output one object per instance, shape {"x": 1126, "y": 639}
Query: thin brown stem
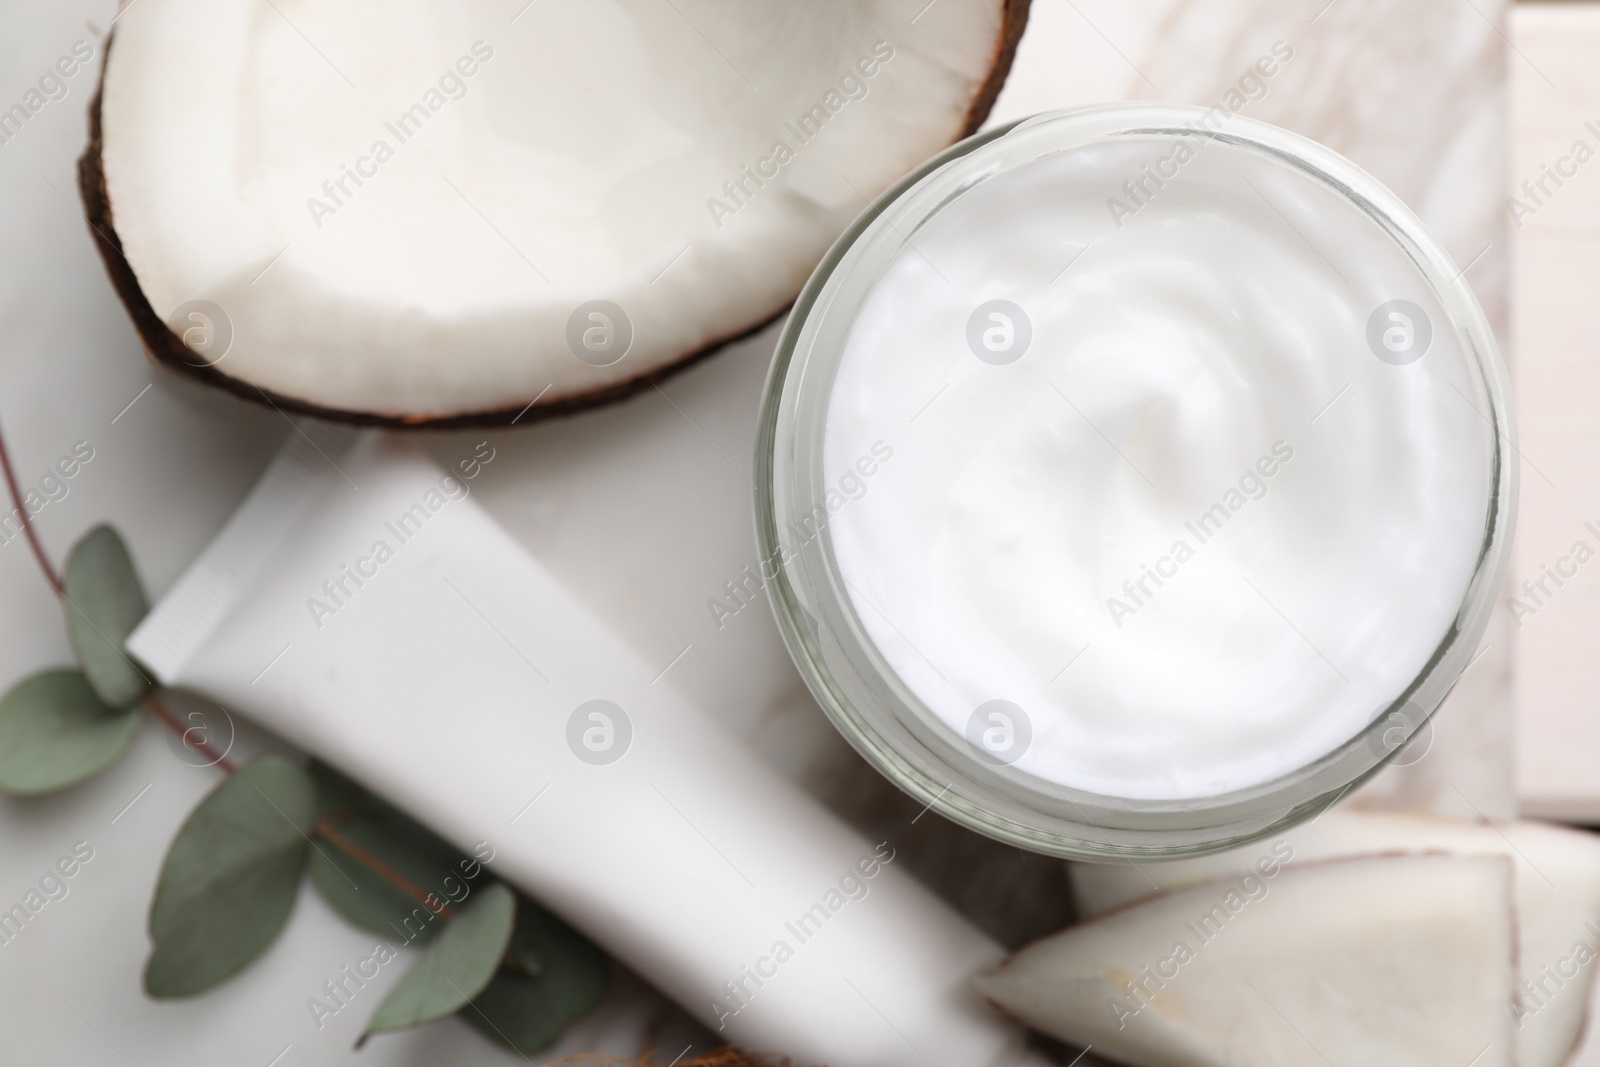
{"x": 726, "y": 1056}
{"x": 324, "y": 829}
{"x": 154, "y": 705}
{"x": 28, "y": 531}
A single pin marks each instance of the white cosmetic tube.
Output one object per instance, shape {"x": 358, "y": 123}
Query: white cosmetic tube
{"x": 362, "y": 606}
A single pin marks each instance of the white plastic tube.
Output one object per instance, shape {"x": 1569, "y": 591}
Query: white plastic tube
{"x": 362, "y": 606}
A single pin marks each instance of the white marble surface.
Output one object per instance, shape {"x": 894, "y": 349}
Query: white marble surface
{"x": 645, "y": 509}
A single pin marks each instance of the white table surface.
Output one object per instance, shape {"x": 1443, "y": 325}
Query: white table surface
{"x": 645, "y": 509}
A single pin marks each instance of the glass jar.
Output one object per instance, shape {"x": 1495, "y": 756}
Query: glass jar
{"x": 907, "y": 728}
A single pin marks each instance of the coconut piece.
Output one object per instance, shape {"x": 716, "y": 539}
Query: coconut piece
{"x": 1556, "y": 888}
{"x": 405, "y": 212}
{"x": 1396, "y": 960}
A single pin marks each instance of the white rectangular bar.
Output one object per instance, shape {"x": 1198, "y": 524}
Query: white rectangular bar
{"x": 1555, "y": 586}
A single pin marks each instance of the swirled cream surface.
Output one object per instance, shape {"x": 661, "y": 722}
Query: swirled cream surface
{"x": 1190, "y": 471}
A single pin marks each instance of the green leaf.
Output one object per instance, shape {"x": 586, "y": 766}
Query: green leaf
{"x": 229, "y": 880}
{"x": 104, "y": 603}
{"x": 357, "y": 820}
{"x": 455, "y": 967}
{"x": 54, "y": 732}
{"x": 551, "y": 976}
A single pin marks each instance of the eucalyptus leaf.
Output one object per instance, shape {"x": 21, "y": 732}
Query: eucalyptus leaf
{"x": 551, "y": 975}
{"x": 361, "y": 827}
{"x": 455, "y": 967}
{"x": 104, "y": 604}
{"x": 230, "y": 877}
{"x": 55, "y": 732}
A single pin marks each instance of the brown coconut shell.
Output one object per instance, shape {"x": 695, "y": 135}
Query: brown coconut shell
{"x": 166, "y": 349}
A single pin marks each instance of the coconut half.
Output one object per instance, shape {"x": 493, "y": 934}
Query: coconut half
{"x": 404, "y": 212}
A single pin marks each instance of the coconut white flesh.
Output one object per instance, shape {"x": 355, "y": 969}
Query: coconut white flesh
{"x": 1403, "y": 961}
{"x": 1556, "y": 888}
{"x": 584, "y": 158}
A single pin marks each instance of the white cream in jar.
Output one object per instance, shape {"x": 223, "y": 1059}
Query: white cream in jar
{"x": 1196, "y": 502}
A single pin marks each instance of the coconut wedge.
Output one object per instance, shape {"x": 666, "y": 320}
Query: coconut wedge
{"x": 407, "y": 212}
{"x": 1556, "y": 887}
{"x": 1404, "y": 961}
